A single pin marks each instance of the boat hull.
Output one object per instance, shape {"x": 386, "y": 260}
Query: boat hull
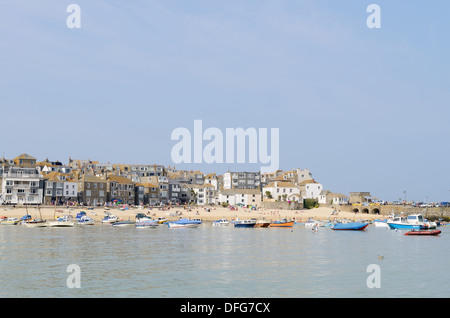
{"x": 262, "y": 224}
{"x": 184, "y": 225}
{"x": 247, "y": 225}
{"x": 146, "y": 225}
{"x": 61, "y": 224}
{"x": 425, "y": 232}
{"x": 398, "y": 226}
{"x": 353, "y": 226}
{"x": 123, "y": 224}
{"x": 282, "y": 224}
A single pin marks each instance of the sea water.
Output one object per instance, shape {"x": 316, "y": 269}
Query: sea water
{"x": 211, "y": 261}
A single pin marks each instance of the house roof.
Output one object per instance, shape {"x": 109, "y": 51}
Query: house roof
{"x": 24, "y": 156}
{"x": 281, "y": 184}
{"x": 90, "y": 178}
{"x": 308, "y": 181}
{"x": 120, "y": 179}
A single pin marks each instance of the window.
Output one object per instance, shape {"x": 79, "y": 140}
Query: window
{"x": 88, "y": 193}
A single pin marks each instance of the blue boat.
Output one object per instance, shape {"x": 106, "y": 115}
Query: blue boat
{"x": 411, "y": 222}
{"x": 245, "y": 223}
{"x": 352, "y": 226}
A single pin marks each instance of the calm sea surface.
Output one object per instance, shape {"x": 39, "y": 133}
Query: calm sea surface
{"x": 221, "y": 262}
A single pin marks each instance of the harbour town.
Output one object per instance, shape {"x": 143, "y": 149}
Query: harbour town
{"x": 51, "y": 190}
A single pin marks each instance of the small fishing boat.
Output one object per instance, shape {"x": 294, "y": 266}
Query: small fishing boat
{"x": 282, "y": 223}
{"x": 245, "y": 223}
{"x": 221, "y": 222}
{"x": 183, "y": 222}
{"x": 424, "y": 232}
{"x": 262, "y": 223}
{"x": 413, "y": 221}
{"x": 352, "y": 226}
{"x": 11, "y": 221}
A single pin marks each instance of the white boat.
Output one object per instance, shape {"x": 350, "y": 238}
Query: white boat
{"x": 311, "y": 223}
{"x": 221, "y": 222}
{"x": 65, "y": 221}
{"x": 183, "y": 222}
{"x": 380, "y": 223}
{"x": 86, "y": 220}
{"x": 146, "y": 224}
{"x": 35, "y": 223}
{"x": 109, "y": 219}
{"x": 123, "y": 223}
{"x": 11, "y": 221}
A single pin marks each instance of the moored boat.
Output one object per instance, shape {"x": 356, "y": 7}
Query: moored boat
{"x": 35, "y": 223}
{"x": 123, "y": 223}
{"x": 244, "y": 223}
{"x": 146, "y": 224}
{"x": 221, "y": 222}
{"x": 184, "y": 222}
{"x": 65, "y": 221}
{"x": 380, "y": 223}
{"x": 282, "y": 223}
{"x": 110, "y": 219}
{"x": 86, "y": 220}
{"x": 413, "y": 221}
{"x": 352, "y": 226}
{"x": 262, "y": 223}
{"x": 424, "y": 232}
{"x": 11, "y": 221}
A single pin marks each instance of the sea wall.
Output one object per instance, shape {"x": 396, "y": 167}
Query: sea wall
{"x": 284, "y": 205}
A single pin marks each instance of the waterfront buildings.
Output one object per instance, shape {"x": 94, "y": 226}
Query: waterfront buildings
{"x": 25, "y": 180}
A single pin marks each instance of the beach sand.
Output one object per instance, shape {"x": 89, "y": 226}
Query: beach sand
{"x": 175, "y": 212}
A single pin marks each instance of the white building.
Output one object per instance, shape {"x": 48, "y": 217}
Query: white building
{"x": 21, "y": 186}
{"x": 244, "y": 197}
{"x": 205, "y": 194}
{"x": 312, "y": 190}
{"x": 281, "y": 190}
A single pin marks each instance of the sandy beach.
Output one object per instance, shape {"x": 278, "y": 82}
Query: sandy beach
{"x": 175, "y": 212}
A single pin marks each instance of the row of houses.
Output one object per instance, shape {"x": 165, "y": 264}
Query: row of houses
{"x": 24, "y": 180}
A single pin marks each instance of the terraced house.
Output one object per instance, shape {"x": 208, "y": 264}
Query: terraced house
{"x": 91, "y": 190}
{"x": 121, "y": 189}
{"x": 60, "y": 188}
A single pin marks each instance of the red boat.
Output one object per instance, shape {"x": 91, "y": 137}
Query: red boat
{"x": 426, "y": 232}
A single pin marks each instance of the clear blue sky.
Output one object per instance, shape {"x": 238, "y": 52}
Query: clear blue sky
{"x": 363, "y": 109}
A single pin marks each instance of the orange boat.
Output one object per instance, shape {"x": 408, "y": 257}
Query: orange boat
{"x": 282, "y": 223}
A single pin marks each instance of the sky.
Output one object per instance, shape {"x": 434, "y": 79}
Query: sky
{"x": 363, "y": 109}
